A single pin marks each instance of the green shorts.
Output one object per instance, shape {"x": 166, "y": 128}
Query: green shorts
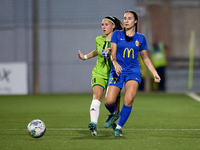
{"x": 96, "y": 81}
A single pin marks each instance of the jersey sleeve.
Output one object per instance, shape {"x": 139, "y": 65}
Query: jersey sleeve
{"x": 144, "y": 44}
{"x": 96, "y": 41}
{"x": 114, "y": 37}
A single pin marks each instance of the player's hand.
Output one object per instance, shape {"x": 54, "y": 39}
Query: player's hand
{"x": 156, "y": 78}
{"x": 80, "y": 55}
{"x": 118, "y": 68}
{"x": 107, "y": 50}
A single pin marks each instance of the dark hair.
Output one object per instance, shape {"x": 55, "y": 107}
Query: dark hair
{"x": 136, "y": 18}
{"x": 117, "y": 22}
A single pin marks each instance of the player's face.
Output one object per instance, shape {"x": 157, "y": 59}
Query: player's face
{"x": 107, "y": 27}
{"x": 129, "y": 20}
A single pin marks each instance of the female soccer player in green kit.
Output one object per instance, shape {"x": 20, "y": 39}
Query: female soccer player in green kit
{"x": 101, "y": 71}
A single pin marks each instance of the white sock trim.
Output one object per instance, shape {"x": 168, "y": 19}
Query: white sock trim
{"x": 118, "y": 127}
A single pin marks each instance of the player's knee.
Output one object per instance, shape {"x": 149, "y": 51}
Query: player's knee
{"x": 109, "y": 101}
{"x": 96, "y": 96}
{"x": 128, "y": 100}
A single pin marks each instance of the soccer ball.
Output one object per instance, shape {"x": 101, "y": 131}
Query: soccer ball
{"x": 104, "y": 54}
{"x": 36, "y": 128}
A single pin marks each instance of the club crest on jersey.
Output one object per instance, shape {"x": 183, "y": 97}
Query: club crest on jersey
{"x": 137, "y": 43}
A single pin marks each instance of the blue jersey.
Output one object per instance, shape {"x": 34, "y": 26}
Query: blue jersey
{"x": 127, "y": 52}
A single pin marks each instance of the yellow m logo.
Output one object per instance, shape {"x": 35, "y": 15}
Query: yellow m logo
{"x": 129, "y": 51}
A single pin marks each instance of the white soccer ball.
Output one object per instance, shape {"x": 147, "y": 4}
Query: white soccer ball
{"x": 36, "y": 128}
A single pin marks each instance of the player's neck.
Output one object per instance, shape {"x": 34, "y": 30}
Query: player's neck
{"x": 108, "y": 36}
{"x": 130, "y": 32}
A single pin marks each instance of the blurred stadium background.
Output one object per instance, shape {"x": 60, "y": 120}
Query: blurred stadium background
{"x": 47, "y": 34}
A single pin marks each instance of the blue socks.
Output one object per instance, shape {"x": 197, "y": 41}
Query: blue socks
{"x": 111, "y": 109}
{"x": 124, "y": 114}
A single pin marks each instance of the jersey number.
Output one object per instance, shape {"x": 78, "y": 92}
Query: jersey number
{"x": 113, "y": 80}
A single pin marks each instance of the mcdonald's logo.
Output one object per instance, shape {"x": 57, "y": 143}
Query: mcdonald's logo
{"x": 129, "y": 52}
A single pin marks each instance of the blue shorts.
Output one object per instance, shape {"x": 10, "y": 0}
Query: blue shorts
{"x": 119, "y": 81}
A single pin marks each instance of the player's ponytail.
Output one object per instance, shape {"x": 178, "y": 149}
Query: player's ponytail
{"x": 127, "y": 37}
{"x": 118, "y": 24}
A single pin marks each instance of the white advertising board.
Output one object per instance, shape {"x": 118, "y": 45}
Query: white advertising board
{"x": 13, "y": 78}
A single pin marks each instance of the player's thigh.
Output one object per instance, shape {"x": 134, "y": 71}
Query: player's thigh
{"x": 111, "y": 95}
{"x": 131, "y": 87}
{"x": 98, "y": 85}
{"x": 98, "y": 92}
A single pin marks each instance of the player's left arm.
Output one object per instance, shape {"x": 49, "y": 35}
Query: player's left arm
{"x": 149, "y": 65}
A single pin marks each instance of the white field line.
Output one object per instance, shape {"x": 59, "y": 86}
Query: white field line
{"x": 103, "y": 129}
{"x": 194, "y": 96}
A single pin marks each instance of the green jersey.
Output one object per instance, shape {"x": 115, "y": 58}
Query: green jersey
{"x": 103, "y": 66}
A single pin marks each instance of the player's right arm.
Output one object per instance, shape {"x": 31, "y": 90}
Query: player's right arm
{"x": 118, "y": 68}
{"x": 92, "y": 54}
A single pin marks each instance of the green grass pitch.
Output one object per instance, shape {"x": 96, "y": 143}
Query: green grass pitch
{"x": 158, "y": 122}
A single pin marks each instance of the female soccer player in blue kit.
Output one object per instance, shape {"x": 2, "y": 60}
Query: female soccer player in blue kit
{"x": 125, "y": 46}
